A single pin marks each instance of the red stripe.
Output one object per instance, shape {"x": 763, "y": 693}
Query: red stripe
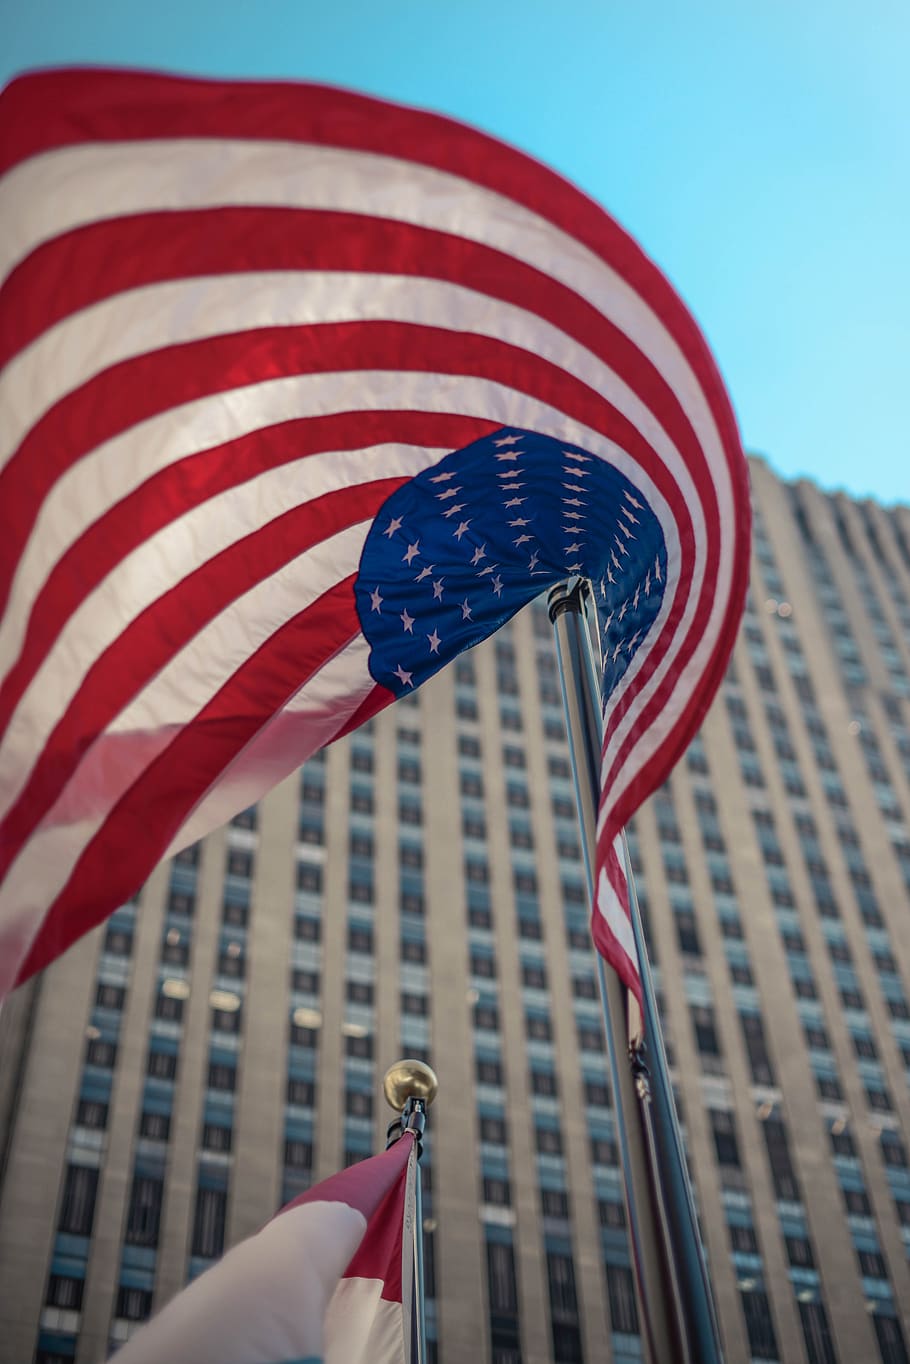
{"x": 177, "y": 489}
{"x": 93, "y": 410}
{"x": 158, "y": 633}
{"x": 63, "y": 108}
{"x": 140, "y": 827}
{"x": 101, "y": 408}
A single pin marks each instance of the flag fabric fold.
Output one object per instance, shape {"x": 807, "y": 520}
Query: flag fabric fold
{"x": 327, "y": 1281}
{"x": 301, "y": 394}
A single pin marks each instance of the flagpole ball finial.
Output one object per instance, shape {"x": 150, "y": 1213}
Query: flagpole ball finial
{"x": 409, "y": 1079}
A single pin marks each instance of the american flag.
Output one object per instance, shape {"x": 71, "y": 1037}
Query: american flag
{"x": 303, "y": 393}
{"x": 328, "y": 1281}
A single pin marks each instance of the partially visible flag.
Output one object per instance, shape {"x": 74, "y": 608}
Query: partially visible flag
{"x": 327, "y": 1281}
{"x": 302, "y": 394}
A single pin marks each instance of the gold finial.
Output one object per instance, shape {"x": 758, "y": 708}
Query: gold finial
{"x": 409, "y": 1079}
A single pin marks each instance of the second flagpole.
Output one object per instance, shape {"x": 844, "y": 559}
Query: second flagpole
{"x": 678, "y": 1318}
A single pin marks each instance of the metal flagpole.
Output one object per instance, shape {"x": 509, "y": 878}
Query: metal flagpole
{"x": 410, "y": 1087}
{"x": 676, "y": 1306}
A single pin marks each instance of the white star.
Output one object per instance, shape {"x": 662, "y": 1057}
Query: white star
{"x": 616, "y": 652}
{"x": 648, "y": 583}
{"x": 435, "y": 642}
{"x": 449, "y": 492}
{"x": 520, "y": 522}
{"x": 455, "y": 508}
{"x": 630, "y": 643}
{"x": 576, "y": 487}
{"x": 490, "y": 568}
{"x": 509, "y": 473}
{"x": 462, "y": 527}
{"x": 574, "y": 516}
{"x": 403, "y": 677}
{"x": 573, "y": 568}
{"x": 624, "y": 511}
{"x": 572, "y": 454}
{"x": 424, "y": 573}
{"x": 465, "y": 610}
{"x": 622, "y": 610}
{"x": 634, "y": 501}
{"x": 507, "y": 440}
{"x": 573, "y": 502}
{"x": 614, "y": 561}
{"x": 497, "y": 585}
{"x": 635, "y": 598}
{"x": 610, "y": 578}
{"x": 442, "y": 478}
{"x": 437, "y": 590}
{"x": 522, "y": 540}
{"x": 578, "y": 473}
{"x": 607, "y": 622}
{"x": 573, "y": 549}
{"x": 375, "y": 600}
{"x": 532, "y": 565}
{"x": 621, "y": 545}
{"x": 394, "y": 524}
{"x": 511, "y": 487}
{"x": 510, "y": 455}
{"x": 411, "y": 553}
{"x": 407, "y": 621}
{"x": 657, "y": 570}
{"x": 626, "y": 530}
{"x": 515, "y": 501}
{"x": 479, "y": 554}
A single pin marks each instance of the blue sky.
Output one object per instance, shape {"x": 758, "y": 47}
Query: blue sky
{"x": 760, "y": 152}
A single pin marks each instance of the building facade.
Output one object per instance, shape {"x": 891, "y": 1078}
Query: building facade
{"x": 418, "y": 889}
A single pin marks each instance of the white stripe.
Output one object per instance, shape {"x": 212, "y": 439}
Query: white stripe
{"x": 161, "y": 562}
{"x": 610, "y": 907}
{"x": 362, "y": 1327}
{"x": 164, "y": 559}
{"x": 157, "y": 316}
{"x": 59, "y": 190}
{"x": 192, "y": 676}
{"x": 309, "y": 721}
{"x": 98, "y": 481}
{"x": 266, "y": 1299}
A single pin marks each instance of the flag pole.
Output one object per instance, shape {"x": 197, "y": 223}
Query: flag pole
{"x": 410, "y": 1087}
{"x": 676, "y": 1305}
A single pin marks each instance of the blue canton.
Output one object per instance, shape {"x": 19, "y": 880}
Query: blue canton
{"x": 457, "y": 550}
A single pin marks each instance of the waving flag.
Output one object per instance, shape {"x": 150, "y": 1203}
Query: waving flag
{"x": 327, "y": 1281}
{"x": 302, "y": 394}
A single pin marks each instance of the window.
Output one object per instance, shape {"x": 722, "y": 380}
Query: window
{"x": 360, "y": 938}
{"x": 497, "y": 1192}
{"x": 298, "y": 1155}
{"x": 816, "y": 1333}
{"x": 300, "y": 1092}
{"x": 307, "y": 928}
{"x": 744, "y": 1239}
{"x": 118, "y": 943}
{"x": 65, "y": 1292}
{"x": 493, "y": 1130}
{"x": 358, "y": 1104}
{"x": 77, "y": 1208}
{"x": 144, "y": 1214}
{"x": 90, "y": 1113}
{"x": 501, "y": 1278}
{"x": 162, "y": 1065}
{"x": 156, "y": 1126}
{"x": 534, "y": 975}
{"x": 110, "y": 996}
{"x": 799, "y": 1252}
{"x": 705, "y": 1032}
{"x": 544, "y": 1082}
{"x": 597, "y": 1093}
{"x": 723, "y": 1129}
{"x": 759, "y": 1326}
{"x": 359, "y": 1046}
{"x": 621, "y": 1293}
{"x": 548, "y": 1140}
{"x": 222, "y": 1076}
{"x": 215, "y": 1137}
{"x": 561, "y": 1279}
{"x": 208, "y": 1222}
{"x": 488, "y": 1072}
{"x": 309, "y": 878}
{"x": 778, "y": 1147}
{"x": 554, "y": 1203}
{"x": 133, "y": 1304}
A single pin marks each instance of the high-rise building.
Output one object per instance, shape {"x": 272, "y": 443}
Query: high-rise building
{"x": 418, "y": 889}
